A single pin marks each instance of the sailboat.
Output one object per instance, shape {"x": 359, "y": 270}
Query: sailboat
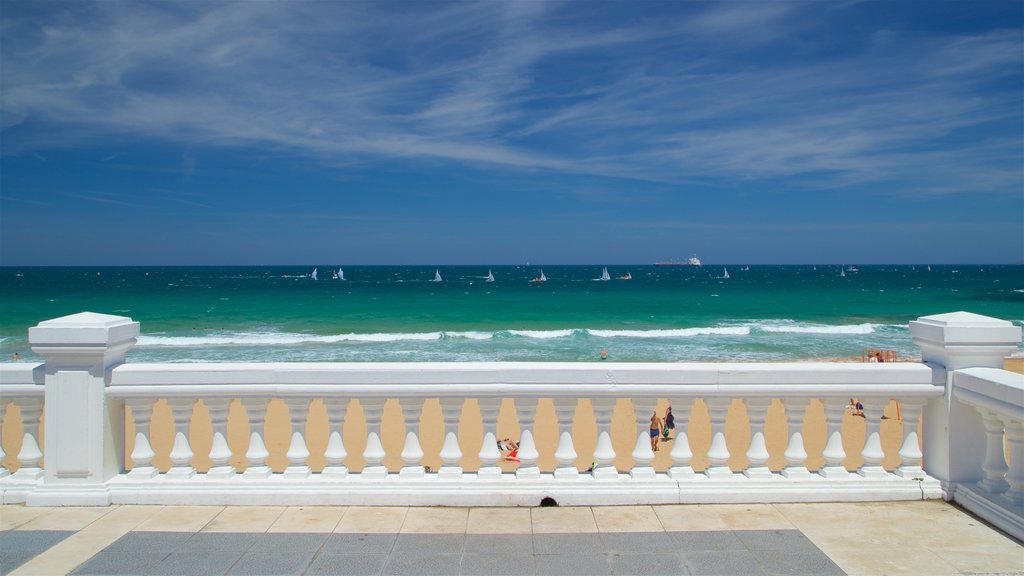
{"x": 490, "y": 277}
{"x": 842, "y": 272}
{"x": 626, "y": 276}
{"x": 313, "y": 275}
{"x": 604, "y": 275}
{"x": 437, "y": 275}
{"x": 541, "y": 278}
{"x": 725, "y": 273}
{"x": 341, "y": 274}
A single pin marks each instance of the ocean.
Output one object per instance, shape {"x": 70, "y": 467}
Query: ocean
{"x": 395, "y": 313}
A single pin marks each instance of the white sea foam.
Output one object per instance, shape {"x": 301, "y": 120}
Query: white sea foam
{"x": 673, "y": 333}
{"x": 542, "y": 334}
{"x": 797, "y": 328}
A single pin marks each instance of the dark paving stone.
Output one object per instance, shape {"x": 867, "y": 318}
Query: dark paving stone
{"x": 31, "y": 540}
{"x": 426, "y": 565}
{"x": 499, "y": 544}
{"x": 723, "y": 563}
{"x": 498, "y": 564}
{"x": 704, "y": 541}
{"x": 197, "y": 562}
{"x": 359, "y": 543}
{"x": 293, "y": 542}
{"x": 279, "y": 561}
{"x": 572, "y": 564}
{"x": 11, "y": 559}
{"x": 648, "y": 565}
{"x": 774, "y": 540}
{"x": 415, "y": 545}
{"x": 637, "y": 542}
{"x": 220, "y": 541}
{"x": 121, "y": 562}
{"x": 149, "y": 542}
{"x": 348, "y": 564}
{"x": 567, "y": 543}
{"x": 794, "y": 562}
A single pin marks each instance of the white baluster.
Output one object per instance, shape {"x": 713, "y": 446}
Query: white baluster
{"x": 834, "y": 454}
{"x": 642, "y": 453}
{"x": 795, "y": 453}
{"x": 757, "y": 412}
{"x": 412, "y": 453}
{"x": 604, "y": 454}
{"x": 220, "y": 452}
{"x": 3, "y": 455}
{"x": 565, "y": 454}
{"x": 681, "y": 453}
{"x": 489, "y": 453}
{"x": 451, "y": 409}
{"x": 181, "y": 452}
{"x": 910, "y": 452}
{"x": 872, "y": 452}
{"x": 1015, "y": 477}
{"x": 256, "y": 455}
{"x": 718, "y": 453}
{"x": 29, "y": 456}
{"x": 298, "y": 452}
{"x": 526, "y": 408}
{"x": 142, "y": 453}
{"x": 335, "y": 453}
{"x": 373, "y": 409}
{"x": 995, "y": 459}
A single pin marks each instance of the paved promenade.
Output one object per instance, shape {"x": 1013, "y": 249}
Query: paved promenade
{"x": 872, "y": 538}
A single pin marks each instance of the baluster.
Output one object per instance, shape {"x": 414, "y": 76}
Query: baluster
{"x": 795, "y": 453}
{"x": 373, "y": 409}
{"x": 256, "y": 455}
{"x": 995, "y": 460}
{"x": 526, "y": 408}
{"x": 642, "y": 453}
{"x": 604, "y": 454}
{"x": 681, "y": 453}
{"x": 3, "y": 455}
{"x": 451, "y": 409}
{"x": 220, "y": 452}
{"x": 757, "y": 412}
{"x": 872, "y": 452}
{"x": 718, "y": 453}
{"x": 489, "y": 453}
{"x": 181, "y": 452}
{"x": 335, "y": 453}
{"x": 142, "y": 454}
{"x": 31, "y": 408}
{"x": 1015, "y": 476}
{"x": 910, "y": 451}
{"x": 834, "y": 454}
{"x": 298, "y": 452}
{"x": 412, "y": 453}
{"x": 565, "y": 454}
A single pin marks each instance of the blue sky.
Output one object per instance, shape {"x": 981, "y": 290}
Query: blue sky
{"x": 506, "y": 132}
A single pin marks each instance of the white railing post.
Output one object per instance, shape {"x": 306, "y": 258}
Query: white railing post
{"x": 681, "y": 453}
{"x": 335, "y": 453}
{"x": 642, "y": 454}
{"x": 30, "y": 454}
{"x": 565, "y": 454}
{"x": 412, "y": 452}
{"x": 526, "y": 408}
{"x": 604, "y": 453}
{"x": 373, "y": 410}
{"x": 795, "y": 453}
{"x": 298, "y": 452}
{"x": 910, "y": 451}
{"x": 142, "y": 454}
{"x": 1015, "y": 476}
{"x": 718, "y": 453}
{"x": 872, "y": 452}
{"x": 451, "y": 409}
{"x": 489, "y": 453}
{"x": 256, "y": 454}
{"x": 834, "y": 453}
{"x": 995, "y": 461}
{"x": 181, "y": 451}
{"x": 757, "y": 412}
{"x": 220, "y": 452}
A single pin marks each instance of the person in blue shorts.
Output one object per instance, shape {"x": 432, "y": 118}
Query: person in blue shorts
{"x": 655, "y": 430}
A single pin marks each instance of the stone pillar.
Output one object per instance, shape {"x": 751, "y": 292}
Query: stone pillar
{"x": 872, "y": 452}
{"x": 256, "y": 409}
{"x": 681, "y": 453}
{"x": 796, "y": 455}
{"x": 604, "y": 453}
{"x": 142, "y": 454}
{"x": 526, "y": 408}
{"x": 220, "y": 452}
{"x": 373, "y": 409}
{"x": 412, "y": 453}
{"x": 451, "y": 409}
{"x": 910, "y": 451}
{"x": 1015, "y": 476}
{"x": 642, "y": 453}
{"x": 84, "y": 428}
{"x": 489, "y": 453}
{"x": 757, "y": 412}
{"x": 298, "y": 452}
{"x": 335, "y": 453}
{"x": 718, "y": 453}
{"x": 181, "y": 451}
{"x": 995, "y": 460}
{"x": 31, "y": 408}
{"x": 834, "y": 453}
{"x": 565, "y": 454}
{"x": 954, "y": 438}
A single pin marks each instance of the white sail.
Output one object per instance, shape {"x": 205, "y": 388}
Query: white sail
{"x": 341, "y": 274}
{"x": 490, "y": 276}
{"x": 604, "y": 274}
{"x": 725, "y": 273}
{"x": 313, "y": 275}
{"x": 842, "y": 272}
{"x": 543, "y": 278}
{"x": 437, "y": 276}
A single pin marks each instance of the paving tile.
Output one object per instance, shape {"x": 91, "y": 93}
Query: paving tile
{"x": 359, "y": 543}
{"x": 569, "y": 519}
{"x": 149, "y": 542}
{"x": 31, "y": 540}
{"x": 10, "y": 560}
{"x": 196, "y": 563}
{"x": 571, "y": 543}
{"x": 890, "y": 561}
{"x": 372, "y": 519}
{"x": 432, "y": 565}
{"x": 498, "y": 564}
{"x": 627, "y": 519}
{"x": 999, "y": 556}
{"x": 415, "y": 545}
{"x": 723, "y": 563}
{"x": 14, "y": 515}
{"x": 280, "y": 561}
{"x": 69, "y": 553}
{"x": 752, "y": 517}
{"x": 774, "y": 540}
{"x": 68, "y": 518}
{"x": 308, "y": 543}
{"x": 499, "y": 521}
{"x": 308, "y": 519}
{"x": 244, "y": 519}
{"x": 499, "y": 544}
{"x": 690, "y": 517}
{"x": 797, "y": 562}
{"x": 219, "y": 542}
{"x": 436, "y": 520}
{"x": 180, "y": 518}
{"x": 705, "y": 541}
{"x": 121, "y": 562}
{"x": 661, "y": 564}
{"x": 637, "y": 542}
{"x": 572, "y": 564}
{"x": 348, "y": 564}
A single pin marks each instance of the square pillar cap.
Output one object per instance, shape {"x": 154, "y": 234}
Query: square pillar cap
{"x": 965, "y": 329}
{"x": 85, "y": 329}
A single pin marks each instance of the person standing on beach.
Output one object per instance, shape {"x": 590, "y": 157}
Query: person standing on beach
{"x": 655, "y": 430}
{"x": 670, "y": 423}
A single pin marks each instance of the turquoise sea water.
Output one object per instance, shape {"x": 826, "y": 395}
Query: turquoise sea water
{"x": 394, "y": 313}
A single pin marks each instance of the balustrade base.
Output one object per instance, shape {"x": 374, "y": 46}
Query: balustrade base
{"x": 412, "y": 472}
{"x": 373, "y": 473}
{"x": 642, "y": 473}
{"x": 69, "y": 495}
{"x": 606, "y": 472}
{"x": 996, "y": 510}
{"x": 567, "y": 472}
{"x": 801, "y": 473}
{"x": 681, "y": 473}
{"x": 181, "y": 472}
{"x": 528, "y": 473}
{"x": 221, "y": 473}
{"x": 872, "y": 472}
{"x": 297, "y": 472}
{"x": 334, "y": 473}
{"x": 449, "y": 473}
{"x": 759, "y": 472}
{"x": 834, "y": 472}
{"x": 143, "y": 472}
{"x": 489, "y": 473}
{"x": 909, "y": 472}
{"x": 28, "y": 475}
{"x": 257, "y": 473}
{"x": 719, "y": 473}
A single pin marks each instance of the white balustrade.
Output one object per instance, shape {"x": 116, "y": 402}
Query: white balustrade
{"x": 604, "y": 454}
{"x": 257, "y": 453}
{"x": 298, "y": 452}
{"x": 526, "y": 408}
{"x": 718, "y": 453}
{"x": 220, "y": 452}
{"x": 142, "y": 453}
{"x": 834, "y": 453}
{"x": 681, "y": 453}
{"x": 757, "y": 454}
{"x": 181, "y": 451}
{"x": 30, "y": 454}
{"x": 335, "y": 453}
{"x": 489, "y": 453}
{"x": 412, "y": 453}
{"x": 373, "y": 409}
{"x": 565, "y": 454}
{"x": 796, "y": 455}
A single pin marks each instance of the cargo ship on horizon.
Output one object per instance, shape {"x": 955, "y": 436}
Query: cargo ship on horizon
{"x": 692, "y": 261}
